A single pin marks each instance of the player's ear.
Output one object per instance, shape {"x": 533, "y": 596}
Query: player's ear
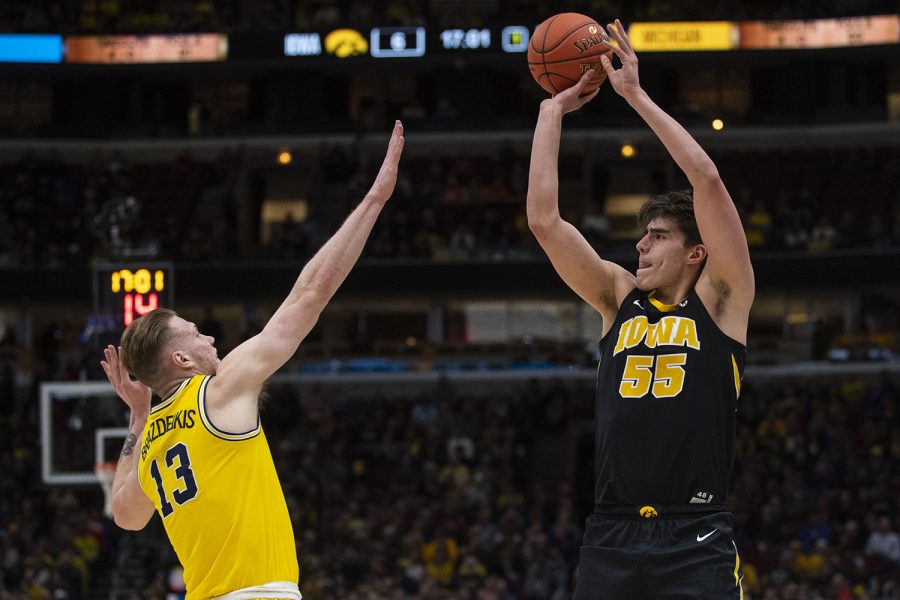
{"x": 181, "y": 359}
{"x": 697, "y": 255}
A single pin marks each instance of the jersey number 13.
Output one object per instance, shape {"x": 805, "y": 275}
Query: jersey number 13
{"x": 183, "y": 472}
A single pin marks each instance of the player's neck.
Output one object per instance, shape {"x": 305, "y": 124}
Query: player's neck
{"x": 169, "y": 387}
{"x": 671, "y": 295}
{"x": 678, "y": 290}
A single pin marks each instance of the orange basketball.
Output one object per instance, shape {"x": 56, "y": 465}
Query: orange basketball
{"x": 562, "y": 48}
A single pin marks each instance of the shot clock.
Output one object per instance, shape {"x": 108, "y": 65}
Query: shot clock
{"x": 127, "y": 291}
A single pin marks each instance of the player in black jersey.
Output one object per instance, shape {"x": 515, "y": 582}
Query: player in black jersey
{"x": 671, "y": 358}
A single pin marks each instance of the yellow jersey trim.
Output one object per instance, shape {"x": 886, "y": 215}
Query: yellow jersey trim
{"x": 737, "y": 566}
{"x": 171, "y": 397}
{"x": 659, "y": 305}
{"x": 230, "y": 437}
{"x": 737, "y": 376}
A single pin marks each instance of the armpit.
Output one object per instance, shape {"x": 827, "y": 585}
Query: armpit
{"x": 264, "y": 395}
{"x": 723, "y": 293}
{"x": 607, "y": 300}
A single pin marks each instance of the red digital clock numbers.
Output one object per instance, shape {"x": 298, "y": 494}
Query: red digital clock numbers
{"x": 124, "y": 292}
{"x": 139, "y": 291}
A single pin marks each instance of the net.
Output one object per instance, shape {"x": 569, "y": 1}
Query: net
{"x": 105, "y": 473}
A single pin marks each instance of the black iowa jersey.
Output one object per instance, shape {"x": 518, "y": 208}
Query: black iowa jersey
{"x": 667, "y": 389}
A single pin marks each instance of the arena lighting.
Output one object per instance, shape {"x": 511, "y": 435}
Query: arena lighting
{"x": 285, "y": 157}
{"x": 627, "y": 150}
{"x": 718, "y": 124}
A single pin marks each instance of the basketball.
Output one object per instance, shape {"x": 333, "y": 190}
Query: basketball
{"x": 562, "y": 48}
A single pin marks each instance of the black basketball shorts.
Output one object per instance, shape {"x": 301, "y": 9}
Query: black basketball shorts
{"x": 666, "y": 558}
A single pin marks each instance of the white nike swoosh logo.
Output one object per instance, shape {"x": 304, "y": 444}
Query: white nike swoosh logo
{"x": 638, "y": 303}
{"x": 701, "y": 538}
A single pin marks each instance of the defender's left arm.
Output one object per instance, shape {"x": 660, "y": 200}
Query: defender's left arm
{"x": 131, "y": 507}
{"x": 726, "y": 285}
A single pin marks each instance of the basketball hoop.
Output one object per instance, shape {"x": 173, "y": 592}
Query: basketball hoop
{"x": 105, "y": 473}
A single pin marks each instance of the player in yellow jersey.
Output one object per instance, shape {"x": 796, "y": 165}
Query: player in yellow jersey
{"x": 200, "y": 458}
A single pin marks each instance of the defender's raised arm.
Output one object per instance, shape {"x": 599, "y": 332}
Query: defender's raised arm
{"x": 242, "y": 373}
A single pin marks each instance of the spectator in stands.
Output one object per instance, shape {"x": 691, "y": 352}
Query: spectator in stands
{"x": 883, "y": 544}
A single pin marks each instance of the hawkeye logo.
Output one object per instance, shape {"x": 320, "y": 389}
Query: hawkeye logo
{"x": 346, "y": 42}
{"x": 668, "y": 331}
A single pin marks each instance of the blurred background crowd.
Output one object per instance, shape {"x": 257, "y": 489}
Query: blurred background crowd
{"x": 449, "y": 208}
{"x": 455, "y": 493}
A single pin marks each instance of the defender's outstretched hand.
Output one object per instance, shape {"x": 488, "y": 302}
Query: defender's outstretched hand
{"x": 134, "y": 393}
{"x": 572, "y": 99}
{"x": 624, "y": 79}
{"x": 387, "y": 176}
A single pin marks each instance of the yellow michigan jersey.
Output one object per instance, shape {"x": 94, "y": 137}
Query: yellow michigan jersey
{"x": 218, "y": 495}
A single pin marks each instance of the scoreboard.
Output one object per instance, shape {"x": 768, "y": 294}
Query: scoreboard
{"x": 347, "y": 41}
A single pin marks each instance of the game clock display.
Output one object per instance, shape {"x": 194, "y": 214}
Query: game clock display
{"x": 127, "y": 291}
{"x": 465, "y": 39}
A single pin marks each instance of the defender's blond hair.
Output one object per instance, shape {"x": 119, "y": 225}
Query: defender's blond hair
{"x": 143, "y": 343}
